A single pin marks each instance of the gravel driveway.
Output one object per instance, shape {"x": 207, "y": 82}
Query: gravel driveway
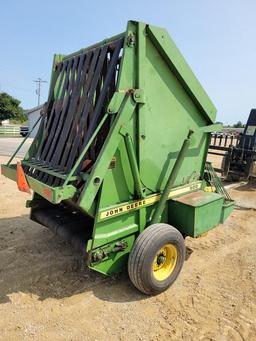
{"x": 8, "y": 145}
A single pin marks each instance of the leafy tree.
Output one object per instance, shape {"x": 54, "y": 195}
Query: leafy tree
{"x": 10, "y": 108}
{"x": 239, "y": 124}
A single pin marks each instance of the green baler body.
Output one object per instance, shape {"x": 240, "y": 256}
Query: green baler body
{"x": 156, "y": 101}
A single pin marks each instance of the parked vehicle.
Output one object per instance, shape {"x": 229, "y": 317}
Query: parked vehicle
{"x": 24, "y": 131}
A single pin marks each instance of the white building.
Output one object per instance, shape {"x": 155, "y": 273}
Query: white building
{"x": 33, "y": 115}
{"x": 5, "y": 122}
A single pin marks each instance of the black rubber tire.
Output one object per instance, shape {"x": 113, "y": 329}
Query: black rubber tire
{"x": 142, "y": 255}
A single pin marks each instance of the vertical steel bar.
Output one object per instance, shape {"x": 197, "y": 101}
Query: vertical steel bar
{"x": 164, "y": 196}
{"x": 226, "y": 139}
{"x": 134, "y": 166}
{"x": 81, "y": 156}
{"x": 16, "y": 151}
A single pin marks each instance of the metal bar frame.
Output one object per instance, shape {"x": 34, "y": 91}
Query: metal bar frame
{"x": 178, "y": 163}
{"x": 134, "y": 166}
{"x": 24, "y": 140}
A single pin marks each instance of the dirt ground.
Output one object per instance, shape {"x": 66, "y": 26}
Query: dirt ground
{"x": 45, "y": 294}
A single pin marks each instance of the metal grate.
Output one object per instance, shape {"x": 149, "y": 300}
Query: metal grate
{"x": 82, "y": 90}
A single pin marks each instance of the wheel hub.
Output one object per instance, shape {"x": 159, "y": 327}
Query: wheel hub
{"x": 161, "y": 259}
{"x": 164, "y": 262}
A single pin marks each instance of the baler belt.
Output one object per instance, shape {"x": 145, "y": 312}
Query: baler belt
{"x": 83, "y": 87}
{"x": 98, "y": 105}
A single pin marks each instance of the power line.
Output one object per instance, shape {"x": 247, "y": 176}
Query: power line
{"x": 39, "y": 81}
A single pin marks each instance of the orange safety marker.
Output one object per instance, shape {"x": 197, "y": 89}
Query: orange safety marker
{"x": 22, "y": 183}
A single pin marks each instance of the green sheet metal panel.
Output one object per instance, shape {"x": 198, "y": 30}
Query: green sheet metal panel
{"x": 226, "y": 210}
{"x": 173, "y": 57}
{"x": 196, "y": 213}
{"x": 171, "y": 108}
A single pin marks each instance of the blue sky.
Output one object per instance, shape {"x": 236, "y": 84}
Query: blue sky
{"x": 217, "y": 38}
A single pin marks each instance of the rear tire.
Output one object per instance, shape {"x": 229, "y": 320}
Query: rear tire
{"x": 156, "y": 258}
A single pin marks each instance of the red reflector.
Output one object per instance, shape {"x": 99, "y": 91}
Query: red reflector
{"x": 21, "y": 179}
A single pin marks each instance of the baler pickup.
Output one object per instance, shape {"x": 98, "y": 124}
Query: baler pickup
{"x": 121, "y": 152}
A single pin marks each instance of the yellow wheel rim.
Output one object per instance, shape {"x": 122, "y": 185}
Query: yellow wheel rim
{"x": 164, "y": 262}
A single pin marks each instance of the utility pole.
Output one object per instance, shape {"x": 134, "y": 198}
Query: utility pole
{"x": 39, "y": 81}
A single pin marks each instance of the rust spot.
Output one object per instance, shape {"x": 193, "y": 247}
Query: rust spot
{"x": 47, "y": 192}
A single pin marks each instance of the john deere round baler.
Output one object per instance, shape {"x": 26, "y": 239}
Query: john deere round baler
{"x": 118, "y": 165}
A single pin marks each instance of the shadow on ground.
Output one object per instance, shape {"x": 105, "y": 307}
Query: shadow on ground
{"x": 245, "y": 188}
{"x": 34, "y": 261}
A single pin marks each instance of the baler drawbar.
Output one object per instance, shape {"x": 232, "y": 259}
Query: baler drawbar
{"x": 118, "y": 165}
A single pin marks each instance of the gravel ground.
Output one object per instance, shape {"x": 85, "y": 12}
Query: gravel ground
{"x": 45, "y": 294}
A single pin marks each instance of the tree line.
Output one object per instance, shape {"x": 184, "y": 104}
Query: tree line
{"x": 10, "y": 109}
